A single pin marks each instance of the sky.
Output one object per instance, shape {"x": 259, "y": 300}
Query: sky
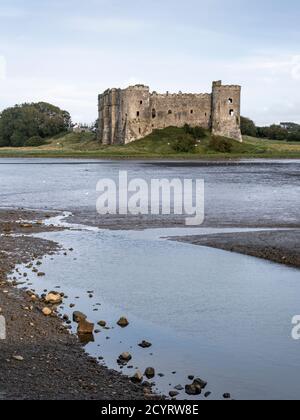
{"x": 66, "y": 52}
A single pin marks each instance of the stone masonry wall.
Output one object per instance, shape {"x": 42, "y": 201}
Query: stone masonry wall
{"x": 131, "y": 114}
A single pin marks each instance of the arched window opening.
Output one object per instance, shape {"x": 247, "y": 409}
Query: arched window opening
{"x": 231, "y": 112}
{"x": 192, "y": 111}
{"x": 230, "y": 101}
{"x": 138, "y": 113}
{"x": 170, "y": 112}
{"x": 153, "y": 113}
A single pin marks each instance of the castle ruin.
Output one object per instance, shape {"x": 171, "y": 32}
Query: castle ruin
{"x": 127, "y": 115}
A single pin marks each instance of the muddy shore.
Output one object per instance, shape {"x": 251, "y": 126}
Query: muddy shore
{"x": 40, "y": 359}
{"x": 278, "y": 246}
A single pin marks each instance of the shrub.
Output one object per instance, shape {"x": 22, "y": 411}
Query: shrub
{"x": 221, "y": 144}
{"x": 294, "y": 136}
{"x": 196, "y": 132}
{"x": 34, "y": 141}
{"x": 248, "y": 128}
{"x": 184, "y": 145}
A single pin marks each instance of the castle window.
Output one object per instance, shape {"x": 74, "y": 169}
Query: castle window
{"x": 140, "y": 130}
{"x": 192, "y": 111}
{"x": 231, "y": 112}
{"x": 170, "y": 112}
{"x": 141, "y": 102}
{"x": 230, "y": 101}
{"x": 153, "y": 113}
{"x": 138, "y": 113}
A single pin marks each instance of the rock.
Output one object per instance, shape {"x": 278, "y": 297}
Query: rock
{"x": 193, "y": 389}
{"x": 173, "y": 394}
{"x": 125, "y": 357}
{"x": 18, "y": 358}
{"x": 145, "y": 345}
{"x": 137, "y": 377}
{"x": 85, "y": 327}
{"x": 196, "y": 387}
{"x": 207, "y": 394}
{"x": 191, "y": 377}
{"x": 123, "y": 322}
{"x": 102, "y": 324}
{"x": 53, "y": 298}
{"x": 150, "y": 373}
{"x": 79, "y": 316}
{"x": 226, "y": 396}
{"x": 179, "y": 388}
{"x": 41, "y": 274}
{"x": 200, "y": 382}
{"x": 47, "y": 311}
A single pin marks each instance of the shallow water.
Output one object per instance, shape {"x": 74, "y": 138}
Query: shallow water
{"x": 221, "y": 316}
{"x": 246, "y": 192}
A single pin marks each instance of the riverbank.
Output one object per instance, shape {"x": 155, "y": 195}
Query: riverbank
{"x": 278, "y": 246}
{"x": 40, "y": 359}
{"x": 161, "y": 144}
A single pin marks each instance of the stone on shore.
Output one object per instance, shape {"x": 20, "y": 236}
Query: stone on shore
{"x": 85, "y": 327}
{"x": 145, "y": 344}
{"x": 196, "y": 387}
{"x": 125, "y": 357}
{"x": 47, "y": 311}
{"x": 102, "y": 324}
{"x": 79, "y": 316}
{"x": 150, "y": 373}
{"x": 53, "y": 298}
{"x": 123, "y": 322}
{"x": 137, "y": 377}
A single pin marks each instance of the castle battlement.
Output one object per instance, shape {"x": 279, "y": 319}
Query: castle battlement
{"x": 126, "y": 115}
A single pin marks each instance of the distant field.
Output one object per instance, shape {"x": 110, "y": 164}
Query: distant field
{"x": 156, "y": 145}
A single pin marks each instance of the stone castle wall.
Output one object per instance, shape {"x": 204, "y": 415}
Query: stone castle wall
{"x": 131, "y": 114}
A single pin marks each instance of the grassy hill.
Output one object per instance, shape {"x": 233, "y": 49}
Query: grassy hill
{"x": 159, "y": 144}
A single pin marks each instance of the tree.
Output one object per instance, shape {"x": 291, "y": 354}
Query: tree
{"x": 22, "y": 122}
{"x": 248, "y": 127}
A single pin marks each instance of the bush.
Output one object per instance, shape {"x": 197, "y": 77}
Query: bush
{"x": 196, "y": 132}
{"x": 221, "y": 144}
{"x": 248, "y": 128}
{"x": 274, "y": 132}
{"x": 34, "y": 141}
{"x": 294, "y": 136}
{"x": 184, "y": 145}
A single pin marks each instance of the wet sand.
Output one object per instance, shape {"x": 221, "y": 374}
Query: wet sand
{"x": 279, "y": 246}
{"x": 40, "y": 359}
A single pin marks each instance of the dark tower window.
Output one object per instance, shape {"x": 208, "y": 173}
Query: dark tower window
{"x": 140, "y": 130}
{"x": 169, "y": 112}
{"x": 231, "y": 112}
{"x": 192, "y": 111}
{"x": 230, "y": 101}
{"x": 141, "y": 102}
{"x": 153, "y": 113}
{"x": 138, "y": 113}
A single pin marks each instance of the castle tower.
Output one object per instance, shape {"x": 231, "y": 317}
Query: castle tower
{"x": 226, "y": 105}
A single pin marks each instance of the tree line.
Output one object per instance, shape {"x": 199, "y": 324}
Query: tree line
{"x": 30, "y": 124}
{"x": 285, "y": 131}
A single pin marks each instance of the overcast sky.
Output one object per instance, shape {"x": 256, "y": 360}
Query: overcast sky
{"x": 67, "y": 51}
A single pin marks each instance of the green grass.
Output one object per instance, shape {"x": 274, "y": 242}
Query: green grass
{"x": 156, "y": 145}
